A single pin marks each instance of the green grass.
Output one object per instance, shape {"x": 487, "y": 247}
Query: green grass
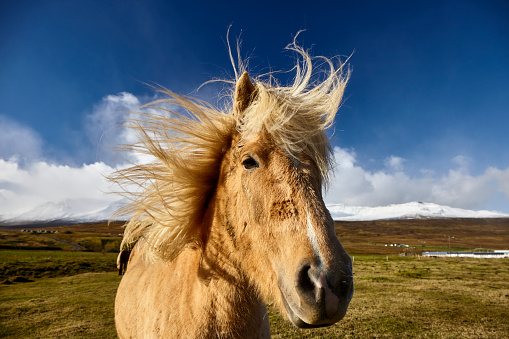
{"x": 400, "y": 297}
{"x": 79, "y": 306}
{"x": 420, "y": 298}
{"x": 48, "y": 264}
{"x": 370, "y": 237}
{"x": 73, "y": 292}
{"x": 95, "y": 237}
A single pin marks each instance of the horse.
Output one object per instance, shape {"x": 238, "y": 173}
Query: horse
{"x": 228, "y": 213}
{"x": 122, "y": 260}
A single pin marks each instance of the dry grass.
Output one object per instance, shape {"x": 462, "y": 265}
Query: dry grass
{"x": 401, "y": 297}
{"x": 48, "y": 264}
{"x": 79, "y": 306}
{"x": 370, "y": 237}
{"x": 96, "y": 237}
{"x": 412, "y": 298}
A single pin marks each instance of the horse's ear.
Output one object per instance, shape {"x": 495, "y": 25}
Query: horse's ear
{"x": 244, "y": 94}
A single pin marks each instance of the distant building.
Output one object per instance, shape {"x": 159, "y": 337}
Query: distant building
{"x": 496, "y": 254}
{"x": 397, "y": 245}
{"x": 39, "y": 231}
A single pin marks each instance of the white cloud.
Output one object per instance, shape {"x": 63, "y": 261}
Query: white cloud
{"x": 394, "y": 163}
{"x": 105, "y": 125}
{"x": 354, "y": 185}
{"x": 22, "y": 189}
{"x": 502, "y": 179}
{"x": 103, "y": 131}
{"x": 18, "y": 141}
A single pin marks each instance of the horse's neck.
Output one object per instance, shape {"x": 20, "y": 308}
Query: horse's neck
{"x": 231, "y": 299}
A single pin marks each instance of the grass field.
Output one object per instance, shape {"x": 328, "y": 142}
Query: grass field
{"x": 34, "y": 265}
{"x": 399, "y": 297}
{"x": 370, "y": 237}
{"x": 395, "y": 296}
{"x": 78, "y": 306}
{"x": 96, "y": 237}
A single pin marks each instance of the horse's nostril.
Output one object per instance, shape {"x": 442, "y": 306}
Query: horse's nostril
{"x": 303, "y": 280}
{"x": 305, "y": 285}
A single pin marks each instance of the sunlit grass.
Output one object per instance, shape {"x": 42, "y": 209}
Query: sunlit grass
{"x": 46, "y": 264}
{"x": 417, "y": 298}
{"x": 79, "y": 306}
{"x": 394, "y": 297}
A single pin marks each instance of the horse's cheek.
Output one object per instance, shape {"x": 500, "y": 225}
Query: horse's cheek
{"x": 253, "y": 195}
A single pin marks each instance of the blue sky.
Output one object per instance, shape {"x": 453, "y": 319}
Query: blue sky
{"x": 426, "y": 110}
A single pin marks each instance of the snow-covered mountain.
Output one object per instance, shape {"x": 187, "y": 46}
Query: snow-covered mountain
{"x": 69, "y": 210}
{"x": 411, "y": 210}
{"x": 90, "y": 210}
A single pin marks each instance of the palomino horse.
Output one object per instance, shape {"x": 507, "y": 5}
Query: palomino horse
{"x": 229, "y": 214}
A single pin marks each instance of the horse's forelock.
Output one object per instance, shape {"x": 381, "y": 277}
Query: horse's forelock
{"x": 297, "y": 116}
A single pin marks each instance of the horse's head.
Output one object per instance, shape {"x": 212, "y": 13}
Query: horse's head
{"x": 257, "y": 174}
{"x": 274, "y": 212}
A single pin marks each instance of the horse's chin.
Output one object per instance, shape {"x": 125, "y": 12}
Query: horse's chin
{"x": 300, "y": 323}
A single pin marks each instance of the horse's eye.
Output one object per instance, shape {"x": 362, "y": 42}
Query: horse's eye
{"x": 249, "y": 163}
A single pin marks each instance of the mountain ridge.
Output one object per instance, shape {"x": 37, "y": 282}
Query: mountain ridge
{"x": 93, "y": 210}
{"x": 410, "y": 210}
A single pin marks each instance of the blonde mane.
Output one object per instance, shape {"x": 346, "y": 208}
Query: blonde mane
{"x": 172, "y": 192}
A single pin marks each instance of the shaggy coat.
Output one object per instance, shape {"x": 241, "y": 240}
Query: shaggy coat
{"x": 230, "y": 215}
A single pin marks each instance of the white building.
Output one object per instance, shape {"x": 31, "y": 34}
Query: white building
{"x": 495, "y": 254}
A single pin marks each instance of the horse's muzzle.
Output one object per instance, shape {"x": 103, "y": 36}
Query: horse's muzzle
{"x": 319, "y": 301}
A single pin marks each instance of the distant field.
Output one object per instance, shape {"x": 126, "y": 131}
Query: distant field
{"x": 358, "y": 237}
{"x": 35, "y": 265}
{"x": 370, "y": 237}
{"x": 95, "y": 237}
{"x": 73, "y": 292}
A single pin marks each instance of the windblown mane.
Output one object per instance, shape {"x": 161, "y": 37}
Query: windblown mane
{"x": 172, "y": 191}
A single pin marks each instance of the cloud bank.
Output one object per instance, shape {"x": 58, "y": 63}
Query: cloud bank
{"x": 22, "y": 189}
{"x": 354, "y": 185}
{"x": 28, "y": 179}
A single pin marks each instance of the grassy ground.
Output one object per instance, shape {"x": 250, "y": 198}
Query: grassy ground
{"x": 370, "y": 237}
{"x": 426, "y": 298}
{"x": 95, "y": 237}
{"x": 400, "y": 297}
{"x": 34, "y": 265}
{"x": 72, "y": 293}
{"x": 79, "y": 306}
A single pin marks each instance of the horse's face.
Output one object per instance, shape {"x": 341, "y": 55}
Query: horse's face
{"x": 282, "y": 232}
